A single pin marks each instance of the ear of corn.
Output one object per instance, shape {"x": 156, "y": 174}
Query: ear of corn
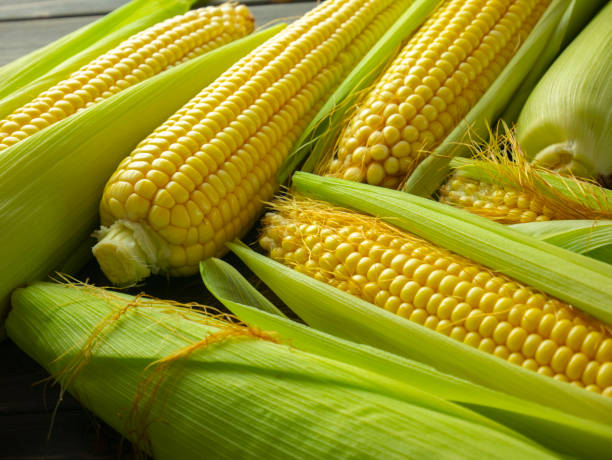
{"x": 171, "y": 379}
{"x": 444, "y": 292}
{"x": 439, "y": 75}
{"x": 589, "y": 237}
{"x": 78, "y": 48}
{"x": 571, "y": 277}
{"x": 558, "y": 430}
{"x": 200, "y": 179}
{"x": 341, "y": 314}
{"x": 514, "y": 191}
{"x": 147, "y": 53}
{"x": 322, "y": 131}
{"x": 51, "y": 182}
{"x": 432, "y": 171}
{"x": 565, "y": 123}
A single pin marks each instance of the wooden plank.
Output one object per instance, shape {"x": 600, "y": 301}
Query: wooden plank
{"x": 20, "y": 37}
{"x": 11, "y": 10}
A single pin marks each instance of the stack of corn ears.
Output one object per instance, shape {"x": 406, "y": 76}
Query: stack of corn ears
{"x": 171, "y": 380}
{"x": 51, "y": 181}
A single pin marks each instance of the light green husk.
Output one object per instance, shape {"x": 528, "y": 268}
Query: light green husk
{"x": 555, "y": 429}
{"x": 182, "y": 384}
{"x": 566, "y": 123}
{"x": 323, "y": 130}
{"x": 592, "y": 238}
{"x": 51, "y": 182}
{"x": 579, "y": 13}
{"x": 574, "y": 278}
{"x": 42, "y": 68}
{"x": 432, "y": 171}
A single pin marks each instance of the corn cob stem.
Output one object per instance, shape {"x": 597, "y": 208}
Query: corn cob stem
{"x": 429, "y": 285}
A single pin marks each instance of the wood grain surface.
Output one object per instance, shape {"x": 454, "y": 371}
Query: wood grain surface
{"x": 33, "y": 426}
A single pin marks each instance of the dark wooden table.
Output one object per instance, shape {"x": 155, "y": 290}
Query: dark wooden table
{"x": 28, "y": 427}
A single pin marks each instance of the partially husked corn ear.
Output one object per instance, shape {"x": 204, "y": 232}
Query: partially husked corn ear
{"x": 445, "y": 292}
{"x": 147, "y": 53}
{"x": 505, "y": 205}
{"x": 200, "y": 179}
{"x": 513, "y": 191}
{"x": 439, "y": 75}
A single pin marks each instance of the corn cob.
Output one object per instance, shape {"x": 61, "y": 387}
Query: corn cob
{"x": 149, "y": 52}
{"x": 514, "y": 191}
{"x": 199, "y": 180}
{"x": 490, "y": 200}
{"x": 445, "y": 292}
{"x": 438, "y": 77}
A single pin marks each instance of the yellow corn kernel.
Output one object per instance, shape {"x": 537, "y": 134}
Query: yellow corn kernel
{"x": 495, "y": 314}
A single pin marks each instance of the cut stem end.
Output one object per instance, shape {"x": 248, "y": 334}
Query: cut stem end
{"x": 122, "y": 253}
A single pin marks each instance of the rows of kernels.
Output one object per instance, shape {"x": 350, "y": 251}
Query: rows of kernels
{"x": 439, "y": 75}
{"x": 200, "y": 178}
{"x": 493, "y": 201}
{"x": 442, "y": 291}
{"x": 146, "y": 54}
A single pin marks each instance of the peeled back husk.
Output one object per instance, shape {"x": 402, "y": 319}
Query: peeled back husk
{"x": 566, "y": 124}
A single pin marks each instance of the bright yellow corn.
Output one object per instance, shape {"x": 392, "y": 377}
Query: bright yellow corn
{"x": 442, "y": 291}
{"x": 200, "y": 179}
{"x": 437, "y": 78}
{"x": 147, "y": 53}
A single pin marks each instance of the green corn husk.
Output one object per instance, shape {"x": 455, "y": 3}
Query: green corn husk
{"x": 322, "y": 131}
{"x": 182, "y": 384}
{"x": 566, "y": 123}
{"x": 576, "y": 16}
{"x": 573, "y": 278}
{"x": 46, "y": 66}
{"x": 51, "y": 182}
{"x": 561, "y": 16}
{"x": 593, "y": 238}
{"x": 555, "y": 429}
